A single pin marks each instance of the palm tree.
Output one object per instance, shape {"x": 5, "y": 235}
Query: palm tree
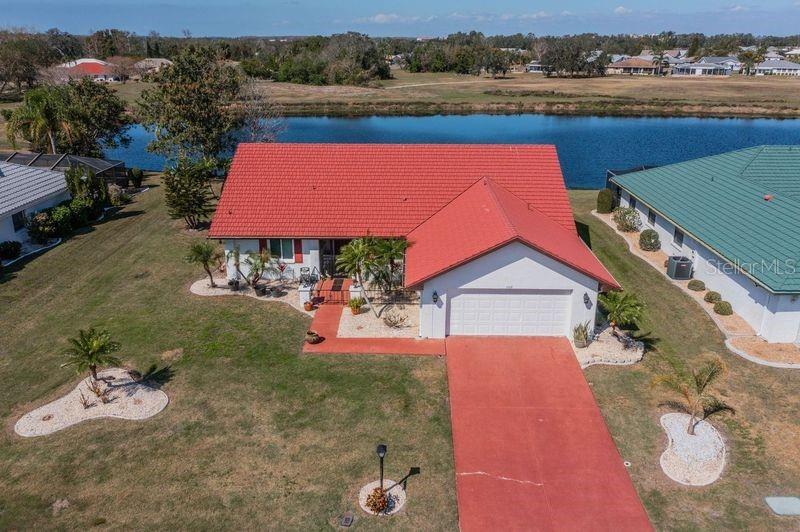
{"x": 383, "y": 263}
{"x": 622, "y": 308}
{"x": 658, "y": 58}
{"x": 40, "y": 119}
{"x": 692, "y": 387}
{"x": 258, "y": 264}
{"x": 205, "y": 254}
{"x": 354, "y": 258}
{"x": 91, "y": 349}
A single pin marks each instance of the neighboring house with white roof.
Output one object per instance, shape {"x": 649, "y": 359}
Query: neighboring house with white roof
{"x": 25, "y": 190}
{"x": 777, "y": 68}
{"x": 701, "y": 69}
{"x": 152, "y": 64}
{"x": 728, "y": 60}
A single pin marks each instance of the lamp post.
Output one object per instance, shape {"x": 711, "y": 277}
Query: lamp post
{"x": 381, "y": 452}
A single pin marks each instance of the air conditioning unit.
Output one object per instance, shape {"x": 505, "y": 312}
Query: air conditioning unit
{"x": 679, "y": 267}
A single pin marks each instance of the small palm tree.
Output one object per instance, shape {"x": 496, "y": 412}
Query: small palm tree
{"x": 623, "y": 308}
{"x": 205, "y": 254}
{"x": 91, "y": 349}
{"x": 258, "y": 264}
{"x": 384, "y": 260}
{"x": 354, "y": 258}
{"x": 693, "y": 389}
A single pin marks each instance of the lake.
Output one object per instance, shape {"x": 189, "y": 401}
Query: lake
{"x": 587, "y": 146}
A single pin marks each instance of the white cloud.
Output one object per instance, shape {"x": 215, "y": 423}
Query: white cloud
{"x": 393, "y": 18}
{"x": 622, "y": 10}
{"x": 739, "y": 8}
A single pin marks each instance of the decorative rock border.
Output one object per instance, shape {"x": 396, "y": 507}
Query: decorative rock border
{"x": 129, "y": 400}
{"x": 696, "y": 460}
{"x": 203, "y": 288}
{"x": 396, "y": 493}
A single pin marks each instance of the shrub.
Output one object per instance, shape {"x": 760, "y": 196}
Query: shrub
{"x": 355, "y": 304}
{"x": 136, "y": 176}
{"x": 649, "y": 240}
{"x": 41, "y": 227}
{"x": 723, "y": 308}
{"x": 580, "y": 335}
{"x": 377, "y": 501}
{"x": 394, "y": 319}
{"x": 83, "y": 210}
{"x": 697, "y": 285}
{"x": 712, "y": 297}
{"x": 605, "y": 201}
{"x": 10, "y": 249}
{"x": 61, "y": 216}
{"x": 117, "y": 196}
{"x": 627, "y": 219}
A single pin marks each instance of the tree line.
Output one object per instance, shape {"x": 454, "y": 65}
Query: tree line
{"x": 350, "y": 58}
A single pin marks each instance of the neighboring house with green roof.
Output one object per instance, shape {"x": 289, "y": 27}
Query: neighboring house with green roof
{"x": 737, "y": 216}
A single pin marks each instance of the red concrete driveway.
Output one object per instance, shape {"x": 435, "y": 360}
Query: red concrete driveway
{"x": 532, "y": 450}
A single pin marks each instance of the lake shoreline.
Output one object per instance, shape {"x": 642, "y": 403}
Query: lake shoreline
{"x": 600, "y": 109}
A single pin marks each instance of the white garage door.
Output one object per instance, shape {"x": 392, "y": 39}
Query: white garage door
{"x": 510, "y": 313}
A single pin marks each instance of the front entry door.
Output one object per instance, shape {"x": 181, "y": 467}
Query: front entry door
{"x": 328, "y": 250}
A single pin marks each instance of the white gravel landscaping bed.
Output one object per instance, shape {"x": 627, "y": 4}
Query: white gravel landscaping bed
{"x": 606, "y": 349}
{"x": 203, "y": 288}
{"x": 128, "y": 400}
{"x": 693, "y": 460}
{"x": 367, "y": 325}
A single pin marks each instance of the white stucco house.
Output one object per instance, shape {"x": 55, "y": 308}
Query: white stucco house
{"x": 493, "y": 248}
{"x": 24, "y": 190}
{"x": 737, "y": 217}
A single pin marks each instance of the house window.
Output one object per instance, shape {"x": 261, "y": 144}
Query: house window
{"x": 677, "y": 237}
{"x": 632, "y": 203}
{"x": 18, "y": 219}
{"x": 651, "y": 217}
{"x": 281, "y": 248}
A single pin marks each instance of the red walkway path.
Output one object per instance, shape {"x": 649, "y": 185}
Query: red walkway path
{"x": 531, "y": 447}
{"x": 326, "y": 324}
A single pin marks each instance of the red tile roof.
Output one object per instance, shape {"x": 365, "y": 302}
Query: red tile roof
{"x": 386, "y": 190}
{"x": 484, "y": 218}
{"x": 91, "y": 69}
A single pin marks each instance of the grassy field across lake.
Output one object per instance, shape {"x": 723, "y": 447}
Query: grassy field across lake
{"x": 768, "y": 96}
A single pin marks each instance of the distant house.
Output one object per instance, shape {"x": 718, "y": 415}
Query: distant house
{"x": 777, "y": 67}
{"x": 701, "y": 69}
{"x": 729, "y": 61}
{"x": 773, "y": 56}
{"x": 152, "y": 65}
{"x": 793, "y": 54}
{"x": 110, "y": 169}
{"x": 23, "y": 191}
{"x": 633, "y": 66}
{"x": 94, "y": 69}
{"x": 535, "y": 67}
{"x": 735, "y": 216}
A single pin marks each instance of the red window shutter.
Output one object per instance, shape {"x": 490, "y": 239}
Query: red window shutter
{"x": 262, "y": 245}
{"x": 298, "y": 251}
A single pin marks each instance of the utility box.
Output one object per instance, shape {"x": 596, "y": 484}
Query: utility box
{"x": 679, "y": 267}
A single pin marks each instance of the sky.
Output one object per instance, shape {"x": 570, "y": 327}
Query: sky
{"x": 412, "y": 18}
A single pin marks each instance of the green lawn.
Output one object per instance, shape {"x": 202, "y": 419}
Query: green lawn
{"x": 256, "y": 436}
{"x": 259, "y": 436}
{"x": 763, "y": 436}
